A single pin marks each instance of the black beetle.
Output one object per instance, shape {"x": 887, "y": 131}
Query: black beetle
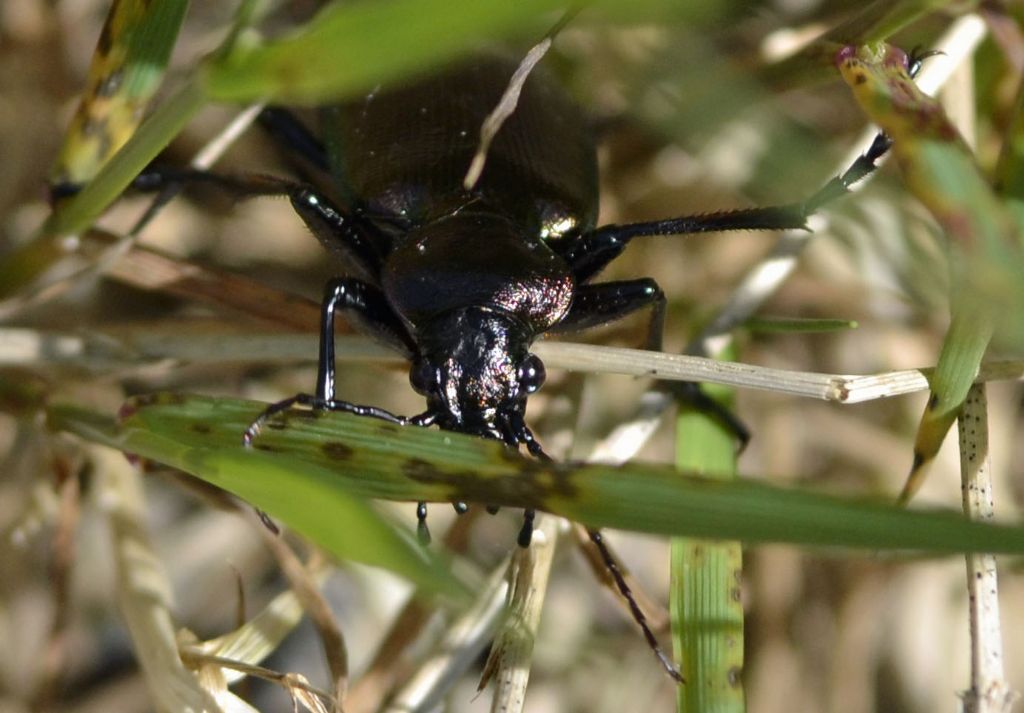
{"x": 463, "y": 281}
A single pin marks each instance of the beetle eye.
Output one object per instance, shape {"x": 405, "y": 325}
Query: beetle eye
{"x": 531, "y": 374}
{"x": 423, "y": 377}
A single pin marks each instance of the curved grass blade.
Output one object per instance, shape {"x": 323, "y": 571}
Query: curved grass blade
{"x": 350, "y": 47}
{"x": 334, "y": 518}
{"x": 309, "y": 459}
{"x": 985, "y": 257}
{"x": 127, "y": 67}
{"x": 155, "y": 133}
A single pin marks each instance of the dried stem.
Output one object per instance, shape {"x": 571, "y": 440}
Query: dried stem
{"x": 989, "y": 691}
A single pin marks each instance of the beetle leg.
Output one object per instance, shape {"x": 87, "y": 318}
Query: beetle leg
{"x": 422, "y": 531}
{"x": 249, "y": 436}
{"x": 608, "y": 301}
{"x": 360, "y": 243}
{"x": 290, "y": 133}
{"x": 526, "y": 533}
{"x": 372, "y": 311}
{"x": 605, "y": 302}
{"x": 691, "y": 393}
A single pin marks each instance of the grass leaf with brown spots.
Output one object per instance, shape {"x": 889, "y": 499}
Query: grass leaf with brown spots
{"x": 308, "y": 464}
{"x": 189, "y": 433}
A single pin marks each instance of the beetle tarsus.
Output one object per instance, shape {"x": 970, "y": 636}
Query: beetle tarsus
{"x": 526, "y": 533}
{"x": 422, "y": 531}
{"x": 254, "y": 428}
{"x": 691, "y": 393}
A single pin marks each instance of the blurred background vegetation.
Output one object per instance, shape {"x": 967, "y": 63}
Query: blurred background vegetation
{"x": 697, "y": 114}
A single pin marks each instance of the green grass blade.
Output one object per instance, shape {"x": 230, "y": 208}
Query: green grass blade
{"x": 350, "y": 47}
{"x": 127, "y": 68}
{"x": 22, "y": 266}
{"x": 369, "y": 458}
{"x": 152, "y": 137}
{"x": 707, "y": 610}
{"x": 985, "y": 255}
{"x": 341, "y": 523}
{"x": 881, "y": 19}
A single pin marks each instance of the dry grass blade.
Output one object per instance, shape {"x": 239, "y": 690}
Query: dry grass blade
{"x": 143, "y": 589}
{"x": 211, "y": 343}
{"x": 509, "y": 100}
{"x": 990, "y": 692}
{"x": 462, "y": 643}
{"x": 254, "y": 640}
{"x": 511, "y": 657}
{"x": 303, "y": 582}
{"x": 212, "y": 669}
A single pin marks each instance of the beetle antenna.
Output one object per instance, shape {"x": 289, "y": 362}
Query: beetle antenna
{"x": 524, "y": 435}
{"x": 865, "y": 163}
{"x": 638, "y": 615}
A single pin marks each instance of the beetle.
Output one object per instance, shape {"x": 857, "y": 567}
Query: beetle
{"x": 463, "y": 281}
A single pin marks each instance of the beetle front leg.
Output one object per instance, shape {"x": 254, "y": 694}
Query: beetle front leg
{"x": 370, "y": 308}
{"x": 609, "y": 301}
{"x": 604, "y": 302}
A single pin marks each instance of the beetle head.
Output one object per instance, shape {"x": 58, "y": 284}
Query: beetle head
{"x": 476, "y": 371}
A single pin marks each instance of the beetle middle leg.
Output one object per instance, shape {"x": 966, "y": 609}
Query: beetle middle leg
{"x": 590, "y": 252}
{"x": 348, "y": 233}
